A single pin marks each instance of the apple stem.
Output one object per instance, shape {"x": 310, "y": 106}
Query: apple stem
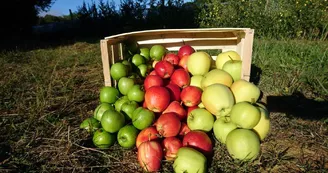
{"x": 230, "y": 57}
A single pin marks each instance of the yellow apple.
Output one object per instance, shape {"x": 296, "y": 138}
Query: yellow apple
{"x": 226, "y": 56}
{"x": 263, "y": 126}
{"x": 216, "y": 76}
{"x": 199, "y": 63}
{"x": 245, "y": 91}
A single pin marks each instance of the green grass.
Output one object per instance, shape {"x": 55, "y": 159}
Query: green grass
{"x": 46, "y": 93}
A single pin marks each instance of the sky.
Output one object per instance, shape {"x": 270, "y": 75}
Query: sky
{"x": 61, "y": 7}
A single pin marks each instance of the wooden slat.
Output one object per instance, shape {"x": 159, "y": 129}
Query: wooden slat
{"x": 105, "y": 52}
{"x": 114, "y": 58}
{"x": 245, "y": 49}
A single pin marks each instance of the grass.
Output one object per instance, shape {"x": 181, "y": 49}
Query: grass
{"x": 46, "y": 93}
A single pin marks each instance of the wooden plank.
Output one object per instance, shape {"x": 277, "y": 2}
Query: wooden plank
{"x": 105, "y": 52}
{"x": 215, "y": 47}
{"x": 245, "y": 49}
{"x": 114, "y": 58}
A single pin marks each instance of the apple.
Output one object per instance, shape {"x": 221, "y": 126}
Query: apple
{"x": 157, "y": 52}
{"x": 168, "y": 124}
{"x": 177, "y": 108}
{"x": 101, "y": 108}
{"x": 137, "y": 59}
{"x": 125, "y": 84}
{"x": 126, "y": 136}
{"x": 234, "y": 68}
{"x": 90, "y": 124}
{"x": 201, "y": 105}
{"x": 128, "y": 108}
{"x": 180, "y": 77}
{"x": 145, "y": 52}
{"x": 184, "y": 129}
{"x": 262, "y": 128}
{"x": 245, "y": 91}
{"x": 190, "y": 160}
{"x": 174, "y": 91}
{"x": 226, "y": 56}
{"x": 191, "y": 96}
{"x": 143, "y": 68}
{"x": 196, "y": 80}
{"x": 216, "y": 76}
{"x": 136, "y": 93}
{"x": 119, "y": 102}
{"x": 245, "y": 115}
{"x": 172, "y": 58}
{"x": 103, "y": 139}
{"x": 218, "y": 99}
{"x": 243, "y": 144}
{"x": 199, "y": 63}
{"x": 200, "y": 119}
{"x": 150, "y": 154}
{"x": 185, "y": 50}
{"x": 142, "y": 118}
{"x": 183, "y": 62}
{"x": 128, "y": 65}
{"x": 153, "y": 72}
{"x": 198, "y": 140}
{"x": 153, "y": 80}
{"x": 189, "y": 109}
{"x": 222, "y": 127}
{"x": 112, "y": 121}
{"x": 108, "y": 94}
{"x": 164, "y": 69}
{"x": 118, "y": 70}
{"x": 157, "y": 98}
{"x": 147, "y": 134}
{"x": 171, "y": 146}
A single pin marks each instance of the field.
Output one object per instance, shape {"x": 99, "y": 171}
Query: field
{"x": 46, "y": 93}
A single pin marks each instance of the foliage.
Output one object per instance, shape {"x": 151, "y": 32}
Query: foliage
{"x": 270, "y": 18}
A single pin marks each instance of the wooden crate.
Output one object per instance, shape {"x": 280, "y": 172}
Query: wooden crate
{"x": 224, "y": 39}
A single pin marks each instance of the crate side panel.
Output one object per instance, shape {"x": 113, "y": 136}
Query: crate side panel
{"x": 105, "y": 53}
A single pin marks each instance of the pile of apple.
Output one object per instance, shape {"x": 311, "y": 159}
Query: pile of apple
{"x": 167, "y": 104}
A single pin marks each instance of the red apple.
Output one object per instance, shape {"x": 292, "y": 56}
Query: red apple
{"x": 171, "y": 146}
{"x": 177, "y": 108}
{"x": 185, "y": 50}
{"x": 172, "y": 58}
{"x": 189, "y": 109}
{"x": 180, "y": 77}
{"x": 191, "y": 96}
{"x": 152, "y": 73}
{"x": 164, "y": 69}
{"x": 168, "y": 124}
{"x": 153, "y": 80}
{"x": 150, "y": 156}
{"x": 144, "y": 104}
{"x": 157, "y": 98}
{"x": 184, "y": 129}
{"x": 183, "y": 62}
{"x": 147, "y": 134}
{"x": 198, "y": 140}
{"x": 174, "y": 91}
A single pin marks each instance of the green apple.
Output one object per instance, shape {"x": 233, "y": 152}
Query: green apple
{"x": 157, "y": 52}
{"x": 112, "y": 121}
{"x": 222, "y": 127}
{"x": 199, "y": 63}
{"x": 216, "y": 76}
{"x": 108, "y": 94}
{"x": 125, "y": 84}
{"x": 128, "y": 65}
{"x": 128, "y": 108}
{"x": 245, "y": 91}
{"x": 118, "y": 104}
{"x": 127, "y": 136}
{"x": 263, "y": 126}
{"x": 131, "y": 46}
{"x": 245, "y": 115}
{"x": 136, "y": 93}
{"x": 243, "y": 144}
{"x": 196, "y": 81}
{"x": 143, "y": 68}
{"x": 189, "y": 160}
{"x": 118, "y": 70}
{"x": 137, "y": 60}
{"x": 145, "y": 52}
{"x": 142, "y": 118}
{"x": 233, "y": 67}
{"x": 102, "y": 139}
{"x": 90, "y": 124}
{"x": 218, "y": 99}
{"x": 99, "y": 111}
{"x": 226, "y": 56}
{"x": 200, "y": 119}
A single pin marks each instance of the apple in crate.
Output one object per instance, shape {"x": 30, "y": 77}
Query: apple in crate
{"x": 153, "y": 80}
{"x": 190, "y": 160}
{"x": 200, "y": 119}
{"x": 191, "y": 96}
{"x": 168, "y": 124}
{"x": 184, "y": 129}
{"x": 234, "y": 68}
{"x": 223, "y": 57}
{"x": 196, "y": 80}
{"x": 245, "y": 91}
{"x": 216, "y": 76}
{"x": 171, "y": 145}
{"x": 183, "y": 62}
{"x": 125, "y": 84}
{"x": 150, "y": 154}
{"x": 157, "y": 98}
{"x": 177, "y": 108}
{"x": 164, "y": 69}
{"x": 174, "y": 91}
{"x": 180, "y": 77}
{"x": 222, "y": 127}
{"x": 185, "y": 50}
{"x": 199, "y": 63}
{"x": 147, "y": 134}
{"x": 172, "y": 58}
